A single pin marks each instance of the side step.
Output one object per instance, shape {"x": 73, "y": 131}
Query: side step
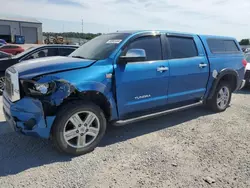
{"x": 133, "y": 120}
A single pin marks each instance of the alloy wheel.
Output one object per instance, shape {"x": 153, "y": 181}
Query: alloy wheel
{"x": 81, "y": 129}
{"x": 223, "y": 97}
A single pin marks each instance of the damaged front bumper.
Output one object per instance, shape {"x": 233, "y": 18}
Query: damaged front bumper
{"x": 27, "y": 116}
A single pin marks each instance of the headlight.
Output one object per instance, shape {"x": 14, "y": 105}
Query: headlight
{"x": 42, "y": 88}
{"x": 32, "y": 88}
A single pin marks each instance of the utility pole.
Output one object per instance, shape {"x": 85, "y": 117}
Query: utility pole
{"x": 82, "y": 31}
{"x": 82, "y": 26}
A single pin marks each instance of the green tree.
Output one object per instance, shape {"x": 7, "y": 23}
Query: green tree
{"x": 87, "y": 36}
{"x": 244, "y": 42}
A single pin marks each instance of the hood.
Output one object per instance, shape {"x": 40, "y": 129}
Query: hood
{"x": 48, "y": 65}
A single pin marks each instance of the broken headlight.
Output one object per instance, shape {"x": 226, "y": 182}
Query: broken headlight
{"x": 42, "y": 88}
{"x": 34, "y": 88}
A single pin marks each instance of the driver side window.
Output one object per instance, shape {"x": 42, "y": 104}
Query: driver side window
{"x": 151, "y": 45}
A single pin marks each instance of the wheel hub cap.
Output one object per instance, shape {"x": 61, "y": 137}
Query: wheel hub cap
{"x": 223, "y": 97}
{"x": 81, "y": 129}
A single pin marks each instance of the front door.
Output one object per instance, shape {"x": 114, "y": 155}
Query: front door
{"x": 189, "y": 69}
{"x": 143, "y": 85}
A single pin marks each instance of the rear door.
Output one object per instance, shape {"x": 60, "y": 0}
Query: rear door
{"x": 141, "y": 86}
{"x": 189, "y": 68}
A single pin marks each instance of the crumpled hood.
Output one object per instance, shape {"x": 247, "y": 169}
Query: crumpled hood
{"x": 40, "y": 66}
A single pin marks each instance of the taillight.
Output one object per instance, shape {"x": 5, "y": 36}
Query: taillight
{"x": 244, "y": 62}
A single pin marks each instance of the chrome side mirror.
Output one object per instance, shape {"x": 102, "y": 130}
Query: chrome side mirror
{"x": 134, "y": 55}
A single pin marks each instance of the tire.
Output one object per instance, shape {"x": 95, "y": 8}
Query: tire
{"x": 2, "y": 79}
{"x": 215, "y": 104}
{"x": 65, "y": 127}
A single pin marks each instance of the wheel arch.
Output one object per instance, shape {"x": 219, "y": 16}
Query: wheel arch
{"x": 227, "y": 75}
{"x": 96, "y": 97}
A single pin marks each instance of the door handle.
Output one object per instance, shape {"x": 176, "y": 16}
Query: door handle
{"x": 162, "y": 69}
{"x": 202, "y": 65}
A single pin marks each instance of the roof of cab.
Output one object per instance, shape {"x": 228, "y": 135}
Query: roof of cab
{"x": 152, "y": 30}
{"x": 175, "y": 32}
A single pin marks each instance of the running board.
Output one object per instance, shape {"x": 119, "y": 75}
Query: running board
{"x": 133, "y": 120}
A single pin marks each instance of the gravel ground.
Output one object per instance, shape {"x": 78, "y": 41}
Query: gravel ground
{"x": 193, "y": 148}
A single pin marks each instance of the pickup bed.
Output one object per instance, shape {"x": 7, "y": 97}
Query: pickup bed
{"x": 120, "y": 78}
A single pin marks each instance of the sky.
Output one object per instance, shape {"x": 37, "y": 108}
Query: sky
{"x": 216, "y": 17}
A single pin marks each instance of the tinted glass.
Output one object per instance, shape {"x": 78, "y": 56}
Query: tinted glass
{"x": 182, "y": 47}
{"x": 222, "y": 46}
{"x": 2, "y": 55}
{"x": 247, "y": 56}
{"x": 25, "y": 52}
{"x": 47, "y": 52}
{"x": 65, "y": 51}
{"x": 9, "y": 46}
{"x": 230, "y": 46}
{"x": 151, "y": 45}
{"x": 100, "y": 47}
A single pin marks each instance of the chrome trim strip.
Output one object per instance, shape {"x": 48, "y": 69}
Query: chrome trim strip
{"x": 124, "y": 122}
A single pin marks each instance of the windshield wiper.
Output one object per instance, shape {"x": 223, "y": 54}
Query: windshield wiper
{"x": 78, "y": 57}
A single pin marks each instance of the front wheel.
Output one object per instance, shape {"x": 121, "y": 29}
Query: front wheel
{"x": 221, "y": 98}
{"x": 78, "y": 128}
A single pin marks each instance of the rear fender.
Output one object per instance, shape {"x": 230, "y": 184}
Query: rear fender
{"x": 219, "y": 76}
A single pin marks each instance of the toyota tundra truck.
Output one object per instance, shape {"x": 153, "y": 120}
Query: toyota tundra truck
{"x": 120, "y": 78}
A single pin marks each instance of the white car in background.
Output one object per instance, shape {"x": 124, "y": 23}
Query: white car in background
{"x": 247, "y": 73}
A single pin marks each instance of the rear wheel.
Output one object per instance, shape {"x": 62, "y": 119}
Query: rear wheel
{"x": 221, "y": 98}
{"x": 78, "y": 128}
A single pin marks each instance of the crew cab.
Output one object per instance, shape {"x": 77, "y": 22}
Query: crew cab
{"x": 33, "y": 53}
{"x": 120, "y": 78}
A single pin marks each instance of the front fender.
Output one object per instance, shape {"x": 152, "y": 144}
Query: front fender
{"x": 104, "y": 89}
{"x": 80, "y": 81}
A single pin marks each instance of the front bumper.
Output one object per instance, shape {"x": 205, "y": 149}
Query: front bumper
{"x": 26, "y": 116}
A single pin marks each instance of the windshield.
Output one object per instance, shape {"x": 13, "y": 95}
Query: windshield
{"x": 100, "y": 47}
{"x": 247, "y": 56}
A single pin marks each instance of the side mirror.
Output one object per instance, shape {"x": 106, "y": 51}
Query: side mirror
{"x": 134, "y": 55}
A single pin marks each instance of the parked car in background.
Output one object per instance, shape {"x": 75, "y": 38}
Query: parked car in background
{"x": 5, "y": 55}
{"x": 2, "y": 41}
{"x": 33, "y": 53}
{"x": 247, "y": 50}
{"x": 247, "y": 73}
{"x": 120, "y": 78}
{"x": 11, "y": 49}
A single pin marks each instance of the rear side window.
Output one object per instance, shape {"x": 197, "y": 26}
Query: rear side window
{"x": 222, "y": 46}
{"x": 151, "y": 45}
{"x": 65, "y": 51}
{"x": 182, "y": 47}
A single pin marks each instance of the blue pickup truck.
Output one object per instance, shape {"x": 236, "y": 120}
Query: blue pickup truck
{"x": 120, "y": 78}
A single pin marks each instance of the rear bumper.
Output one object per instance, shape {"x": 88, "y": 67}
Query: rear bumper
{"x": 247, "y": 76}
{"x": 243, "y": 83}
{"x": 26, "y": 116}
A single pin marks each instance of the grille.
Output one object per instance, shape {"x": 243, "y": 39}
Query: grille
{"x": 12, "y": 84}
{"x": 8, "y": 84}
